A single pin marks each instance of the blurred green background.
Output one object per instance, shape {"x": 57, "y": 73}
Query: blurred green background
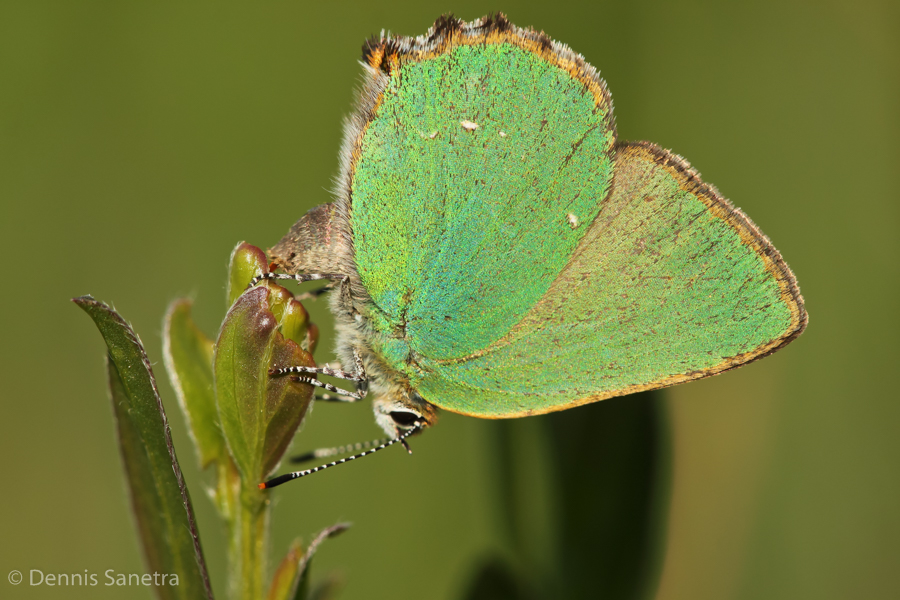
{"x": 139, "y": 141}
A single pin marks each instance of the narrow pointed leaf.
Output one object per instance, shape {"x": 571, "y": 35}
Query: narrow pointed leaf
{"x": 189, "y": 362}
{"x": 285, "y": 576}
{"x": 301, "y": 591}
{"x": 159, "y": 496}
{"x": 291, "y": 580}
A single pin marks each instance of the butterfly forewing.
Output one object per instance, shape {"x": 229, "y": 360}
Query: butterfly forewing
{"x": 474, "y": 157}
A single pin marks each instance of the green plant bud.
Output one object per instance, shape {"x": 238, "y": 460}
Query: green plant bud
{"x": 247, "y": 261}
{"x": 279, "y": 298}
{"x": 295, "y": 323}
{"x": 258, "y": 412}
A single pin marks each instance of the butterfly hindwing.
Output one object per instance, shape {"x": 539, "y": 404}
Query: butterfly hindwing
{"x": 670, "y": 283}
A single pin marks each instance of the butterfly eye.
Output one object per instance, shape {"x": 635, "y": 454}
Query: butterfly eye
{"x": 404, "y": 418}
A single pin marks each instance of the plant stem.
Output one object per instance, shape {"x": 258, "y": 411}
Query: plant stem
{"x": 253, "y": 530}
{"x": 246, "y": 512}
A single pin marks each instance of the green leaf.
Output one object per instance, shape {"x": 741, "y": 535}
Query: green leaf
{"x": 612, "y": 467}
{"x": 189, "y": 361}
{"x": 285, "y": 577}
{"x": 291, "y": 579}
{"x": 582, "y": 494}
{"x": 159, "y": 496}
{"x": 495, "y": 580}
{"x": 258, "y": 413}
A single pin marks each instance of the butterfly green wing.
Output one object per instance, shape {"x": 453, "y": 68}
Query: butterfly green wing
{"x": 479, "y": 145}
{"x": 514, "y": 260}
{"x": 670, "y": 283}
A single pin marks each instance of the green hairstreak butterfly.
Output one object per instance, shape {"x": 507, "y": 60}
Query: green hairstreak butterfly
{"x": 498, "y": 252}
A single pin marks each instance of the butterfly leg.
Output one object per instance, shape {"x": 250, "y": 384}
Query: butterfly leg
{"x": 299, "y": 278}
{"x": 342, "y": 280}
{"x": 314, "y": 294}
{"x": 335, "y": 398}
{"x": 358, "y": 377}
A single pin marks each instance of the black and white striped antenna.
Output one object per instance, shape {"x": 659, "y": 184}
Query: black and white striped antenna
{"x": 298, "y": 474}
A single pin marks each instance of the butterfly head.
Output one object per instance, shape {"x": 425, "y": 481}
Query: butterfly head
{"x": 403, "y": 410}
